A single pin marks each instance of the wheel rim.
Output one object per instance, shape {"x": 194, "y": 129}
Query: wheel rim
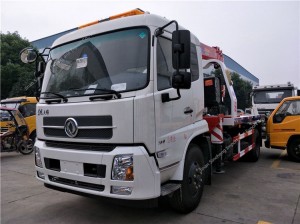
{"x": 30, "y": 144}
{"x": 23, "y": 148}
{"x": 195, "y": 179}
{"x": 297, "y": 150}
{"x": 26, "y": 147}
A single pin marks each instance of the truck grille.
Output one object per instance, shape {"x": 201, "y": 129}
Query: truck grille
{"x": 75, "y": 183}
{"x": 92, "y": 127}
{"x": 81, "y": 146}
{"x": 264, "y": 111}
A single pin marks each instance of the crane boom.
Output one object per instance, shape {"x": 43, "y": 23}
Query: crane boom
{"x": 211, "y": 52}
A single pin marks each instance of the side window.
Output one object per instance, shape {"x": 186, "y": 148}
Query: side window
{"x": 164, "y": 63}
{"x": 27, "y": 110}
{"x": 288, "y": 108}
{"x": 294, "y": 108}
{"x": 194, "y": 63}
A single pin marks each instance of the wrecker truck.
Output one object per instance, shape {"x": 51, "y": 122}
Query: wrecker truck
{"x": 126, "y": 112}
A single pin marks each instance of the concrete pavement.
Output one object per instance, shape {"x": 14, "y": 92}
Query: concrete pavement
{"x": 264, "y": 192}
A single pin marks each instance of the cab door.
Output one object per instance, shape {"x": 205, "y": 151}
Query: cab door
{"x": 285, "y": 123}
{"x": 171, "y": 117}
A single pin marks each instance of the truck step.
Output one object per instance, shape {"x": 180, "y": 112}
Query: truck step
{"x": 169, "y": 188}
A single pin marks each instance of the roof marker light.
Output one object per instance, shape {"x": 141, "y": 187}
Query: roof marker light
{"x": 124, "y": 14}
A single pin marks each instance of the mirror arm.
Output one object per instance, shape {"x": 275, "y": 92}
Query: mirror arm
{"x": 159, "y": 31}
{"x": 42, "y": 54}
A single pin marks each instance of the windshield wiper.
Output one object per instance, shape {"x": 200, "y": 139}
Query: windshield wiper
{"x": 109, "y": 91}
{"x": 55, "y": 94}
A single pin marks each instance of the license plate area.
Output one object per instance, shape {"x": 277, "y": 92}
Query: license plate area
{"x": 71, "y": 167}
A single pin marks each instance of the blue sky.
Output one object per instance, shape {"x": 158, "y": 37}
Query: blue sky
{"x": 264, "y": 37}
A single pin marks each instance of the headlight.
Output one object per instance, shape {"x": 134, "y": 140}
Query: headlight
{"x": 38, "y": 158}
{"x": 123, "y": 168}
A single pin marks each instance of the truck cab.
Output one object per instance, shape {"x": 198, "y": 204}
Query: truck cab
{"x": 283, "y": 127}
{"x": 110, "y": 121}
{"x": 266, "y": 98}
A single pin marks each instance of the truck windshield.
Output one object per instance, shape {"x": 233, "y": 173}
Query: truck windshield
{"x": 11, "y": 105}
{"x": 271, "y": 96}
{"x": 115, "y": 61}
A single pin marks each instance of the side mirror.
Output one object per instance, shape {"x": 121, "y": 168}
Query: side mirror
{"x": 278, "y": 118}
{"x": 28, "y": 55}
{"x": 181, "y": 47}
{"x": 298, "y": 92}
{"x": 181, "y": 80}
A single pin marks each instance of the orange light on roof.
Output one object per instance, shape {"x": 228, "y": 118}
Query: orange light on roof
{"x": 88, "y": 24}
{"x": 124, "y": 14}
{"x": 129, "y": 13}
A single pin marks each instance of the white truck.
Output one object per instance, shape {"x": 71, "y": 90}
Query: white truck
{"x": 266, "y": 98}
{"x": 125, "y": 112}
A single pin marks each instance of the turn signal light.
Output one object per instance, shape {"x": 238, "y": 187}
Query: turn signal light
{"x": 129, "y": 173}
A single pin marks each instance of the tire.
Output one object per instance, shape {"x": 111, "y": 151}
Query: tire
{"x": 25, "y": 147}
{"x": 254, "y": 154}
{"x": 293, "y": 149}
{"x": 187, "y": 198}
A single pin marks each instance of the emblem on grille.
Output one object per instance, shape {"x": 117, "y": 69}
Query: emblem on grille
{"x": 71, "y": 127}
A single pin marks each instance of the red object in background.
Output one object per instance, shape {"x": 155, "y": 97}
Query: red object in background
{"x": 211, "y": 52}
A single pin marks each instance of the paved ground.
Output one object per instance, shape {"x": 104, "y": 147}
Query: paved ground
{"x": 264, "y": 192}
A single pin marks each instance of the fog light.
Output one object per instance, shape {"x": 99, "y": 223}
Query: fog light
{"x": 123, "y": 168}
{"x": 40, "y": 175}
{"x": 38, "y": 158}
{"x": 121, "y": 190}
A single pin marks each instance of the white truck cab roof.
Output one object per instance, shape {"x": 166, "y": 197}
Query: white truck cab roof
{"x": 146, "y": 19}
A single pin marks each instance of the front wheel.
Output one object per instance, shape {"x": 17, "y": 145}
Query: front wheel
{"x": 187, "y": 198}
{"x": 25, "y": 147}
{"x": 293, "y": 149}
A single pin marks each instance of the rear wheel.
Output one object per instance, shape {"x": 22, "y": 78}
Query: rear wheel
{"x": 254, "y": 154}
{"x": 293, "y": 149}
{"x": 187, "y": 198}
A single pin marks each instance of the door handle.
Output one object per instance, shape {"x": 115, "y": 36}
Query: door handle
{"x": 188, "y": 110}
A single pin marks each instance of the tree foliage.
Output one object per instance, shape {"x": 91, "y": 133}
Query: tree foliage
{"x": 16, "y": 77}
{"x": 242, "y": 91}
{"x": 241, "y": 88}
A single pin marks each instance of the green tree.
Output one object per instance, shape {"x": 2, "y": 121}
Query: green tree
{"x": 16, "y": 77}
{"x": 242, "y": 90}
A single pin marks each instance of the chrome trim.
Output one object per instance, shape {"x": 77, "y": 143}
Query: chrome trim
{"x": 168, "y": 167}
{"x": 80, "y": 127}
{"x": 54, "y": 127}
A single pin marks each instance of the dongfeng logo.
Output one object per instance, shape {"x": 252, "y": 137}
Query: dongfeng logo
{"x": 71, "y": 127}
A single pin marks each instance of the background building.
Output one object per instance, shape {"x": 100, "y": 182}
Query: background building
{"x": 230, "y": 63}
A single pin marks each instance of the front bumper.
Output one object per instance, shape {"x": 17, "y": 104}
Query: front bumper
{"x": 68, "y": 170}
